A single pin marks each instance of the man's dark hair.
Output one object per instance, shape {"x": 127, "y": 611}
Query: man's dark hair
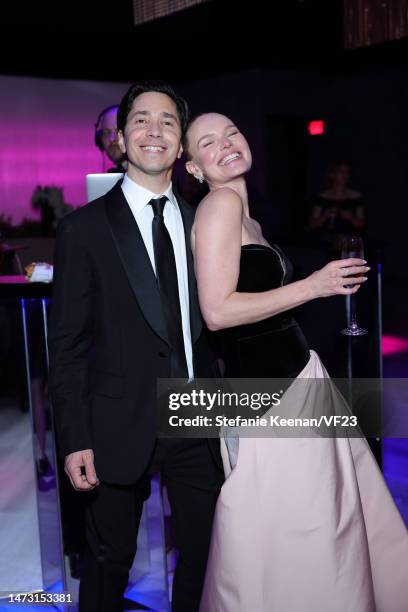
{"x": 151, "y": 86}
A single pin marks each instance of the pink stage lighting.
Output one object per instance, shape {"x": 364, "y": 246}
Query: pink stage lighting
{"x": 393, "y": 344}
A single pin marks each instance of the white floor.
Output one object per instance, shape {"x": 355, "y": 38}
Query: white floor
{"x": 32, "y": 562}
{"x": 29, "y": 562}
{"x": 20, "y": 558}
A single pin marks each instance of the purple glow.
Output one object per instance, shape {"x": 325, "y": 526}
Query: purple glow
{"x": 391, "y": 345}
{"x": 46, "y": 155}
{"x": 47, "y": 129}
{"x": 396, "y": 472}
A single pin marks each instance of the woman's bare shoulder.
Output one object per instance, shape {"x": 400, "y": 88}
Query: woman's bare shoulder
{"x": 223, "y": 194}
{"x": 222, "y": 200}
{"x": 220, "y": 211}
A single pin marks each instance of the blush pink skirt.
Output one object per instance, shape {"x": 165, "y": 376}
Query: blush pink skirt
{"x": 306, "y": 525}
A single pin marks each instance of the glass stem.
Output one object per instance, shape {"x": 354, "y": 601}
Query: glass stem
{"x": 353, "y": 322}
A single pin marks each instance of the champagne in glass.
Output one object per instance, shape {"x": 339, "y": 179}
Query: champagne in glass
{"x": 353, "y": 247}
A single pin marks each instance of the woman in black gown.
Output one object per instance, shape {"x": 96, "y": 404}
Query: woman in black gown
{"x": 234, "y": 262}
{"x": 292, "y": 512}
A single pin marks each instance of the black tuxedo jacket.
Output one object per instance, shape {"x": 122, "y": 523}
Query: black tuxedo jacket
{"x": 107, "y": 340}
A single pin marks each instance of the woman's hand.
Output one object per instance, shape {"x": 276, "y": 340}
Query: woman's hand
{"x": 356, "y": 220}
{"x": 334, "y": 278}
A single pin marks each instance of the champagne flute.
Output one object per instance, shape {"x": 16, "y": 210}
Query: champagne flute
{"x": 352, "y": 247}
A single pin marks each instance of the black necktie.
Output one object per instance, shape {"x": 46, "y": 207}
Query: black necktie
{"x": 167, "y": 281}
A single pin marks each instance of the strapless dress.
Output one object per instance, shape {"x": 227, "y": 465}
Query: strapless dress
{"x": 276, "y": 346}
{"x": 303, "y": 524}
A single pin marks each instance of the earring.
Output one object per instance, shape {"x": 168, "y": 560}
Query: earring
{"x": 199, "y": 178}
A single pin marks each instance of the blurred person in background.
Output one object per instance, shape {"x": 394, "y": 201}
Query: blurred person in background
{"x": 339, "y": 209}
{"x": 106, "y": 138}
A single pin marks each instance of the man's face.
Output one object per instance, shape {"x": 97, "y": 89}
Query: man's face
{"x": 152, "y": 136}
{"x": 109, "y": 136}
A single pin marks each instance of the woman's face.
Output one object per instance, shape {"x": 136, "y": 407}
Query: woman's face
{"x": 218, "y": 150}
{"x": 341, "y": 175}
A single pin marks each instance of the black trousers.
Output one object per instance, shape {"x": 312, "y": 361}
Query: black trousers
{"x": 113, "y": 514}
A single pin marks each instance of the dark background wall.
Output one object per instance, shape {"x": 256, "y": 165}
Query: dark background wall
{"x": 370, "y": 121}
{"x": 367, "y": 124}
{"x": 272, "y": 67}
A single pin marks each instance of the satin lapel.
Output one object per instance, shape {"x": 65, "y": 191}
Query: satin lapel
{"x": 135, "y": 259}
{"x": 196, "y": 323}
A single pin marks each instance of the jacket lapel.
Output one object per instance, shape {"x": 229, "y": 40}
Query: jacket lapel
{"x": 135, "y": 259}
{"x": 196, "y": 323}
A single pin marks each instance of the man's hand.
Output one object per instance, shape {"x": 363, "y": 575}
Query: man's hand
{"x": 75, "y": 466}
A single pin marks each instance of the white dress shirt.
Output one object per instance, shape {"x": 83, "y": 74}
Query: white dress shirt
{"x": 138, "y": 199}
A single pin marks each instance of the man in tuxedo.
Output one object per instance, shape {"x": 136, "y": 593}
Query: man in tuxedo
{"x": 125, "y": 312}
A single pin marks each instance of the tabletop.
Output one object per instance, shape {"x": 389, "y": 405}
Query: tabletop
{"x": 17, "y": 286}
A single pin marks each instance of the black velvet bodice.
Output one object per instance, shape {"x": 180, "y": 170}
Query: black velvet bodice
{"x": 274, "y": 347}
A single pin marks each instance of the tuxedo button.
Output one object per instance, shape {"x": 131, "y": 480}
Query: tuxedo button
{"x": 162, "y": 354}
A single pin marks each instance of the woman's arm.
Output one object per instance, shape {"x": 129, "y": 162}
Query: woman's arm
{"x": 218, "y": 238}
{"x": 318, "y": 217}
{"x": 357, "y": 220}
